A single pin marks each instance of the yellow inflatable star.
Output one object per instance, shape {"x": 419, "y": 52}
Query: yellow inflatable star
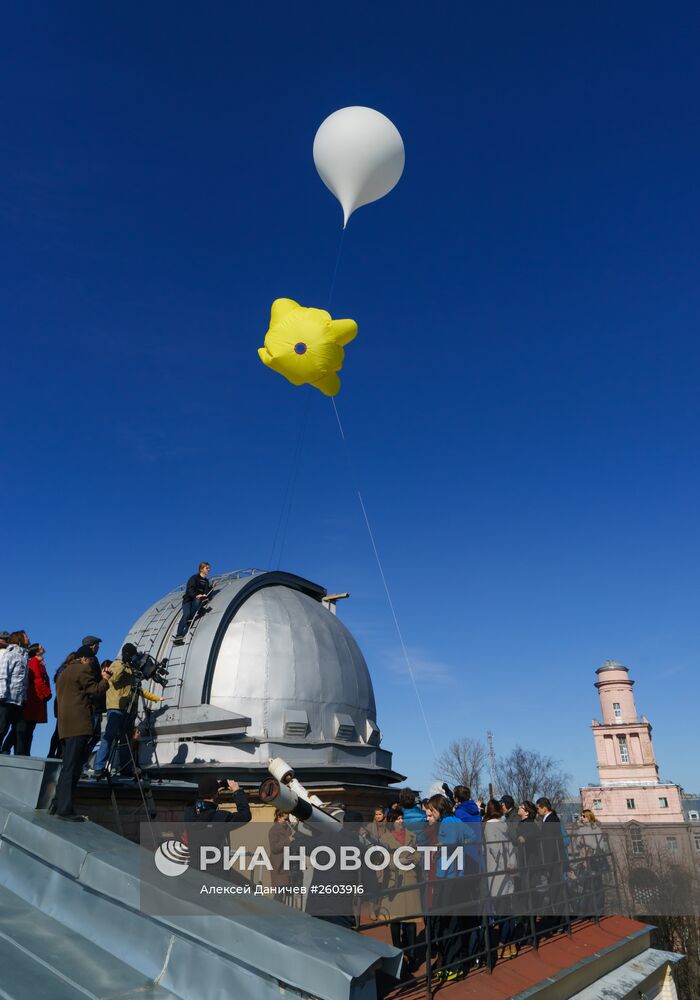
{"x": 306, "y": 345}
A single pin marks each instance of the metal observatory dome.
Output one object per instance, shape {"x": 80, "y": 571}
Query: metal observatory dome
{"x": 268, "y": 671}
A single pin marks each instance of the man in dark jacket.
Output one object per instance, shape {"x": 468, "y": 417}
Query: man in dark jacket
{"x": 554, "y": 864}
{"x": 194, "y": 599}
{"x": 510, "y": 814}
{"x": 77, "y": 693}
{"x": 208, "y": 825}
{"x": 90, "y": 647}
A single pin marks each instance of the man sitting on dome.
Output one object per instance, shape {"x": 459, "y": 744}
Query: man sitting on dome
{"x": 194, "y": 599}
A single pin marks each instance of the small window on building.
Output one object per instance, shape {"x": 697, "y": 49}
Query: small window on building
{"x": 697, "y": 842}
{"x": 617, "y": 710}
{"x": 630, "y": 804}
{"x": 597, "y": 804}
{"x": 637, "y": 841}
{"x": 672, "y": 844}
{"x": 624, "y": 749}
{"x": 663, "y": 802}
{"x": 694, "y": 816}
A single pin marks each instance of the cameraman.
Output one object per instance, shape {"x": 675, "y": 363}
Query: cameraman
{"x": 206, "y": 818}
{"x": 122, "y": 682}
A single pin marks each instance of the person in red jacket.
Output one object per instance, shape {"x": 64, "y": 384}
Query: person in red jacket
{"x": 38, "y": 694}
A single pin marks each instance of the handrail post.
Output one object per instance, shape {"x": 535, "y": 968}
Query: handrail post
{"x": 428, "y": 956}
{"x": 487, "y": 942}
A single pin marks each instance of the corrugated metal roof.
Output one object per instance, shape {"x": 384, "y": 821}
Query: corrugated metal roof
{"x": 86, "y": 882}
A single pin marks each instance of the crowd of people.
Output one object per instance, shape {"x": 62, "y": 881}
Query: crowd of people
{"x": 24, "y": 691}
{"x": 86, "y": 691}
{"x": 521, "y": 869}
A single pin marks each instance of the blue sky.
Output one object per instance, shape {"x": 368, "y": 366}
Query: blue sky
{"x": 521, "y": 402}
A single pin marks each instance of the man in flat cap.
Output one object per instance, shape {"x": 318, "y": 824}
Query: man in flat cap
{"x": 77, "y": 690}
{"x": 88, "y": 650}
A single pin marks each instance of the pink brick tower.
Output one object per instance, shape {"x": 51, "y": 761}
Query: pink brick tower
{"x": 629, "y": 775}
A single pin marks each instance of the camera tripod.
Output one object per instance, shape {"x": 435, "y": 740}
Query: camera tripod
{"x": 142, "y": 779}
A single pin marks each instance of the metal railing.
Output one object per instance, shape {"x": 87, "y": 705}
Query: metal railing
{"x": 467, "y": 928}
{"x": 637, "y": 720}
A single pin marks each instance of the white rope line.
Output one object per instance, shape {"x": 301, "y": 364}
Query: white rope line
{"x": 406, "y": 657}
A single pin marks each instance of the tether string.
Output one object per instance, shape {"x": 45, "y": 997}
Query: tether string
{"x": 287, "y": 503}
{"x": 382, "y": 574}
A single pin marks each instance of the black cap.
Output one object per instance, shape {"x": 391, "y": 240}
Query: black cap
{"x": 508, "y": 801}
{"x": 91, "y": 640}
{"x": 207, "y": 786}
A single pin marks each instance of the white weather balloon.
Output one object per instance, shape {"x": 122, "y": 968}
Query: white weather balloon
{"x": 359, "y": 155}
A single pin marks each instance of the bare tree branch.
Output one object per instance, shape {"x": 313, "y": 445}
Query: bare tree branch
{"x": 526, "y": 775}
{"x": 463, "y": 763}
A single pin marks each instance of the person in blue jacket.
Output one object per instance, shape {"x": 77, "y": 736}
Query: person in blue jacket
{"x": 451, "y": 925}
{"x": 466, "y": 808}
{"x": 413, "y": 816}
{"x": 469, "y": 812}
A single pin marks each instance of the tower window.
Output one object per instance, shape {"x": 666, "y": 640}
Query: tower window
{"x": 617, "y": 710}
{"x": 630, "y": 804}
{"x": 697, "y": 842}
{"x": 597, "y": 804}
{"x": 624, "y": 749}
{"x": 663, "y": 803}
{"x": 672, "y": 844}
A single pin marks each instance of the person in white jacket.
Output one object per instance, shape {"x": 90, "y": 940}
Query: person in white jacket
{"x": 501, "y": 867}
{"x": 14, "y": 675}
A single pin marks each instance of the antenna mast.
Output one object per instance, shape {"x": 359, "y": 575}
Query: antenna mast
{"x": 492, "y": 764}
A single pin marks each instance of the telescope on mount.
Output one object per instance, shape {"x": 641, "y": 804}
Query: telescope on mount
{"x": 286, "y": 793}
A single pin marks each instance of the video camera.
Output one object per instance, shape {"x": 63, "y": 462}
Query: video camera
{"x": 148, "y": 668}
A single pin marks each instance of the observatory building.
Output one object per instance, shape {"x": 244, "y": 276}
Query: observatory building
{"x": 268, "y": 671}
